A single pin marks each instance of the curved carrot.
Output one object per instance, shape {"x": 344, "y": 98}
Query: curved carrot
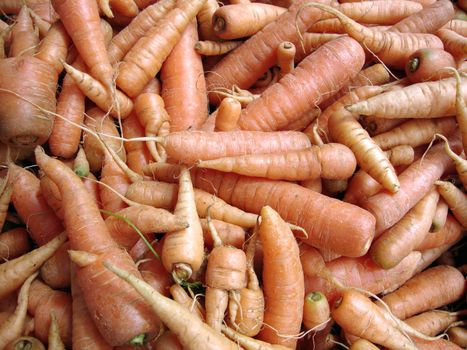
{"x": 282, "y": 280}
{"x": 145, "y": 58}
{"x": 81, "y": 20}
{"x": 336, "y": 62}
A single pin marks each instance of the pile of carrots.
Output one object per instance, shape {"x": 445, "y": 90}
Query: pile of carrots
{"x": 185, "y": 174}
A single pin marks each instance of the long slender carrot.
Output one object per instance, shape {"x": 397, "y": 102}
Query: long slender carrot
{"x": 145, "y": 58}
{"x": 415, "y": 182}
{"x": 81, "y": 20}
{"x": 428, "y": 20}
{"x": 336, "y": 62}
{"x": 186, "y": 103}
{"x": 191, "y": 331}
{"x": 390, "y": 47}
{"x": 461, "y": 111}
{"x": 95, "y": 281}
{"x": 13, "y": 326}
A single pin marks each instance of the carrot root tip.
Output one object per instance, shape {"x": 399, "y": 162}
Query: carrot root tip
{"x": 413, "y": 64}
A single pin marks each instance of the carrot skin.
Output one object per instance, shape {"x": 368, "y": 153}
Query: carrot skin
{"x": 14, "y": 243}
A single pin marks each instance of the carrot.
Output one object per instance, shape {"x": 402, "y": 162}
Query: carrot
{"x": 316, "y": 311}
{"x": 441, "y": 213}
{"x": 41, "y": 7}
{"x": 181, "y": 297}
{"x": 54, "y": 340}
{"x": 228, "y": 114}
{"x": 363, "y": 344}
{"x": 167, "y": 341}
{"x": 450, "y": 233}
{"x": 6, "y": 190}
{"x": 85, "y": 334}
{"x": 24, "y": 39}
{"x": 97, "y": 121}
{"x": 243, "y": 20}
{"x": 454, "y": 43}
{"x": 97, "y": 93}
{"x": 96, "y": 240}
{"x": 432, "y": 322}
{"x": 428, "y": 20}
{"x": 311, "y": 41}
{"x": 125, "y": 7}
{"x": 330, "y": 25}
{"x": 390, "y": 47}
{"x": 456, "y": 25}
{"x": 458, "y": 336}
{"x": 81, "y": 21}
{"x": 230, "y": 234}
{"x": 42, "y": 301}
{"x": 13, "y": 326}
{"x": 356, "y": 314}
{"x": 361, "y": 187}
{"x": 147, "y": 219}
{"x": 54, "y": 47}
{"x": 153, "y": 272}
{"x": 137, "y": 154}
{"x": 428, "y": 64}
{"x": 282, "y": 280}
{"x": 318, "y": 161}
{"x": 397, "y": 242}
{"x": 145, "y": 58}
{"x": 285, "y": 57}
{"x": 191, "y": 331}
{"x": 401, "y": 155}
{"x": 376, "y": 126}
{"x": 42, "y": 25}
{"x": 250, "y": 343}
{"x": 418, "y": 295}
{"x": 429, "y": 106}
{"x": 185, "y": 103}
{"x": 459, "y": 162}
{"x": 461, "y": 111}
{"x": 55, "y": 272}
{"x": 24, "y": 343}
{"x": 415, "y": 132}
{"x": 14, "y": 243}
{"x": 415, "y": 182}
{"x": 456, "y": 200}
{"x": 246, "y": 64}
{"x": 278, "y": 105}
{"x": 204, "y": 19}
{"x": 189, "y": 147}
{"x": 182, "y": 253}
{"x": 215, "y": 48}
{"x": 128, "y": 36}
{"x": 114, "y": 177}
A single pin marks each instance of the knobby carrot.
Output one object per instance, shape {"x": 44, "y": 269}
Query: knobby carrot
{"x": 283, "y": 281}
{"x": 317, "y": 161}
{"x": 336, "y": 62}
{"x": 94, "y": 239}
{"x": 183, "y": 84}
{"x": 415, "y": 182}
{"x": 243, "y": 20}
{"x": 14, "y": 243}
{"x": 418, "y": 295}
{"x": 145, "y": 58}
{"x": 81, "y": 20}
{"x": 190, "y": 330}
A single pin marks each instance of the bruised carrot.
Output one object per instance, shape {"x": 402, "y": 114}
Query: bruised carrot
{"x": 145, "y": 58}
{"x": 278, "y": 105}
{"x": 390, "y": 47}
{"x": 243, "y": 20}
{"x": 456, "y": 200}
{"x": 95, "y": 240}
{"x": 197, "y": 335}
{"x": 185, "y": 103}
{"x": 415, "y": 182}
{"x": 428, "y": 64}
{"x": 42, "y": 301}
{"x": 408, "y": 301}
{"x": 81, "y": 21}
{"x": 318, "y": 161}
{"x": 14, "y": 243}
{"x": 397, "y": 242}
{"x": 13, "y": 326}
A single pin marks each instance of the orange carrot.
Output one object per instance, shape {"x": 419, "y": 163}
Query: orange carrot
{"x": 317, "y": 161}
{"x": 454, "y": 43}
{"x": 145, "y": 58}
{"x": 432, "y": 322}
{"x": 363, "y": 344}
{"x": 181, "y": 296}
{"x": 95, "y": 240}
{"x": 13, "y": 326}
{"x": 230, "y": 234}
{"x": 459, "y": 162}
{"x": 448, "y": 234}
{"x": 361, "y": 187}
{"x": 428, "y": 64}
{"x": 316, "y": 311}
{"x": 24, "y": 39}
{"x": 154, "y": 273}
{"x": 397, "y": 242}
{"x": 282, "y": 280}
{"x": 228, "y": 114}
{"x": 54, "y": 340}
{"x": 278, "y": 105}
{"x": 456, "y": 200}
{"x": 14, "y": 243}
{"x": 167, "y": 341}
{"x": 243, "y": 20}
{"x": 42, "y": 25}
{"x": 440, "y": 217}
{"x": 457, "y": 25}
{"x": 415, "y": 182}
{"x": 113, "y": 176}
{"x": 458, "y": 336}
{"x": 390, "y": 47}
{"x": 204, "y": 19}
{"x": 24, "y": 343}
{"x": 215, "y": 48}
{"x": 428, "y": 20}
{"x": 418, "y": 295}
{"x": 54, "y": 47}
{"x": 182, "y": 253}
{"x": 250, "y": 343}
{"x": 285, "y": 57}
{"x": 55, "y": 272}
{"x": 81, "y": 21}
{"x": 461, "y": 111}
{"x": 415, "y": 132}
